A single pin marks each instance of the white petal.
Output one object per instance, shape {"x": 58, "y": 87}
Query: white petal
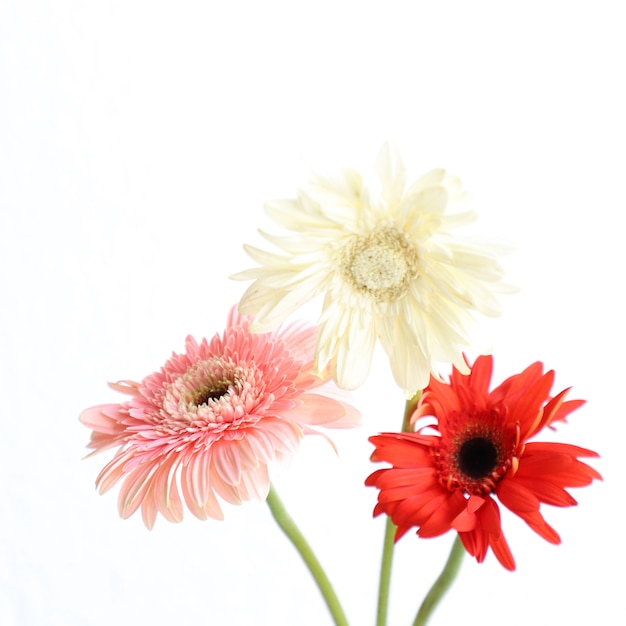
{"x": 432, "y": 200}
{"x": 403, "y": 343}
{"x": 272, "y": 307}
{"x": 296, "y": 215}
{"x": 392, "y": 174}
{"x": 354, "y": 353}
{"x": 268, "y": 259}
{"x": 296, "y": 244}
{"x": 430, "y": 179}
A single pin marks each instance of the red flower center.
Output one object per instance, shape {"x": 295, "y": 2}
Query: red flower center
{"x": 477, "y": 457}
{"x": 476, "y": 450}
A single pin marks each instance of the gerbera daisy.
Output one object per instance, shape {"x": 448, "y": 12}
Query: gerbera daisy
{"x": 212, "y": 419}
{"x": 480, "y": 450}
{"x": 389, "y": 269}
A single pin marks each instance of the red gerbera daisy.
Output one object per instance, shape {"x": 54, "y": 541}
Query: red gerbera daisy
{"x": 448, "y": 480}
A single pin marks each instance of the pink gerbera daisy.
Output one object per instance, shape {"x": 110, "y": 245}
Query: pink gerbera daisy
{"x": 480, "y": 451}
{"x": 211, "y": 420}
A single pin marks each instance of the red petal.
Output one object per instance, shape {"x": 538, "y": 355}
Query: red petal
{"x": 548, "y": 492}
{"x": 403, "y": 450}
{"x": 441, "y": 519}
{"x": 518, "y": 382}
{"x": 502, "y": 552}
{"x": 565, "y": 409}
{"x": 394, "y": 477}
{"x": 464, "y": 522}
{"x": 472, "y": 388}
{"x": 516, "y": 497}
{"x": 389, "y": 494}
{"x": 535, "y": 447}
{"x": 416, "y": 510}
{"x": 480, "y": 378}
{"x": 374, "y": 477}
{"x": 540, "y": 526}
{"x": 539, "y": 464}
{"x": 489, "y": 517}
{"x": 467, "y": 519}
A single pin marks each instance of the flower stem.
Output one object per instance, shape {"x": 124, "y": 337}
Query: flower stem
{"x": 390, "y": 531}
{"x": 409, "y": 409}
{"x": 442, "y": 584}
{"x": 288, "y": 526}
{"x": 385, "y": 573}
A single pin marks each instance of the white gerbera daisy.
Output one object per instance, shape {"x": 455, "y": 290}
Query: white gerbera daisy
{"x": 388, "y": 267}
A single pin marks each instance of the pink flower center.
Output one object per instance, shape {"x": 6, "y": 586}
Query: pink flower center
{"x": 215, "y": 394}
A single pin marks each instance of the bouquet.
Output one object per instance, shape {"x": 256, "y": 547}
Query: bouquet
{"x": 204, "y": 431}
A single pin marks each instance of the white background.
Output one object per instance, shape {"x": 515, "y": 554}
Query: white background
{"x": 138, "y": 143}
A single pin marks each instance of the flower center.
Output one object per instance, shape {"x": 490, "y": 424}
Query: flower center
{"x": 380, "y": 264}
{"x": 216, "y": 395}
{"x": 204, "y": 390}
{"x": 213, "y": 391}
{"x": 477, "y": 457}
{"x": 476, "y": 451}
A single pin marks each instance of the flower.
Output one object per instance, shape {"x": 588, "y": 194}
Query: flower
{"x": 447, "y": 481}
{"x": 212, "y": 419}
{"x": 388, "y": 267}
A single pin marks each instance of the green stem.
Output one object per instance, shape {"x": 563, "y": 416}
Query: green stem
{"x": 288, "y": 526}
{"x": 385, "y": 573}
{"x": 409, "y": 409}
{"x": 442, "y": 584}
{"x": 390, "y": 531}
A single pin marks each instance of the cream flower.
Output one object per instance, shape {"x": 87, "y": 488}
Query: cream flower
{"x": 389, "y": 269}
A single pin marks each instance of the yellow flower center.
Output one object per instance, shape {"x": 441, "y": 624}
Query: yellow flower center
{"x": 380, "y": 264}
